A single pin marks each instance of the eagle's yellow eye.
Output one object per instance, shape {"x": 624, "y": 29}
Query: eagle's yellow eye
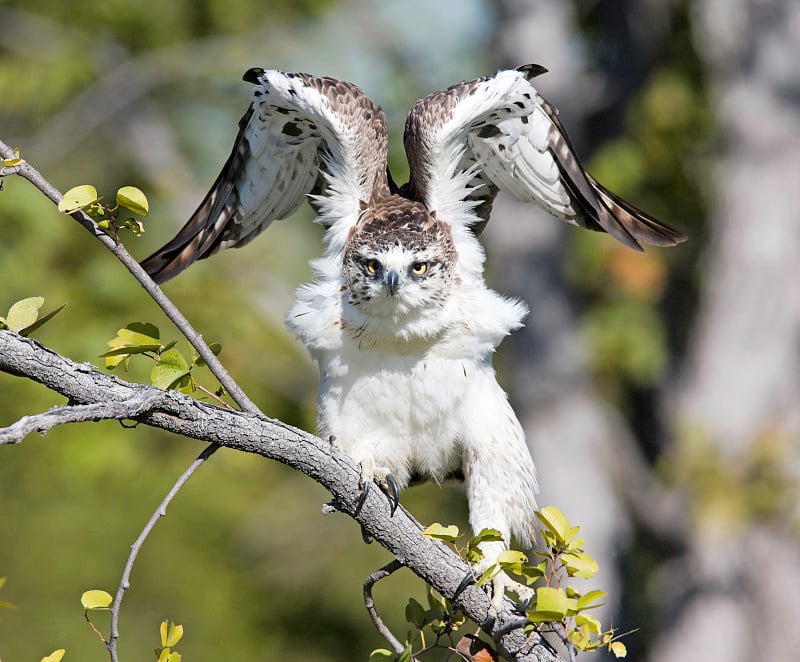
{"x": 419, "y": 268}
{"x": 373, "y": 266}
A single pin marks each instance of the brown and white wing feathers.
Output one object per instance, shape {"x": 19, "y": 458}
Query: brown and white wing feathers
{"x": 302, "y": 134}
{"x": 498, "y": 133}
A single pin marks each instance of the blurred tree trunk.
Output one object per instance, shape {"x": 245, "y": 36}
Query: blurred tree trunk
{"x": 575, "y": 437}
{"x": 738, "y": 402}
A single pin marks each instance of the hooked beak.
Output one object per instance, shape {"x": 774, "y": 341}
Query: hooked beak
{"x": 392, "y": 280}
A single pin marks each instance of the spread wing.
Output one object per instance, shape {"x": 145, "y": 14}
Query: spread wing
{"x": 301, "y": 135}
{"x": 497, "y": 133}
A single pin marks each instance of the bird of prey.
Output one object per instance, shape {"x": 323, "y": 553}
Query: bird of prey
{"x": 399, "y": 318}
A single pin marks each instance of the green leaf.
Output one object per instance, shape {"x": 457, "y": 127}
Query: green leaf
{"x": 136, "y": 338}
{"x": 579, "y": 564}
{"x": 24, "y": 313}
{"x": 173, "y": 634}
{"x": 618, "y": 648}
{"x": 15, "y": 160}
{"x": 557, "y": 523}
{"x": 136, "y": 227}
{"x": 489, "y": 574}
{"x": 171, "y": 368}
{"x": 132, "y": 198}
{"x": 512, "y": 561}
{"x": 415, "y": 613}
{"x": 551, "y": 605}
{"x": 41, "y": 321}
{"x": 441, "y": 532}
{"x": 380, "y": 654}
{"x": 585, "y": 601}
{"x": 96, "y": 599}
{"x": 474, "y": 553}
{"x": 55, "y": 656}
{"x": 589, "y": 621}
{"x": 405, "y": 656}
{"x": 78, "y": 198}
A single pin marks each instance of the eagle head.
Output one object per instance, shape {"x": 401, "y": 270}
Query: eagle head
{"x": 399, "y": 258}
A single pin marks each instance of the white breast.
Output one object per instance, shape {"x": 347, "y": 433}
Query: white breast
{"x": 396, "y": 396}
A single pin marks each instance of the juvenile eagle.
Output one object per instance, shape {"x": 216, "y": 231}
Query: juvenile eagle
{"x": 398, "y": 318}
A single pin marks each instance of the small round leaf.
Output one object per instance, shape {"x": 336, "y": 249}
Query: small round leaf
{"x": 132, "y": 198}
{"x": 96, "y": 599}
{"x": 78, "y": 198}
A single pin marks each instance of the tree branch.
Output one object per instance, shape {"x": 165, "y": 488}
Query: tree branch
{"x": 83, "y": 385}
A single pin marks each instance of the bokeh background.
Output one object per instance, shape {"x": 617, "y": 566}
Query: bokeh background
{"x": 660, "y": 391}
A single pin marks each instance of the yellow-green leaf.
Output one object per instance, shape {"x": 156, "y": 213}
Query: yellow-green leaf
{"x": 557, "y": 522}
{"x": 55, "y": 656}
{"x": 78, "y": 198}
{"x": 441, "y": 532}
{"x": 512, "y": 561}
{"x": 618, "y": 648}
{"x": 552, "y": 603}
{"x": 381, "y": 654}
{"x": 136, "y": 338}
{"x": 15, "y": 160}
{"x": 24, "y": 313}
{"x": 590, "y": 621}
{"x": 173, "y": 634}
{"x": 96, "y": 599}
{"x": 170, "y": 369}
{"x": 132, "y": 198}
{"x": 585, "y": 601}
{"x": 580, "y": 564}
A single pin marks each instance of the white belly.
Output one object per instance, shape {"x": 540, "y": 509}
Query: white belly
{"x": 402, "y": 409}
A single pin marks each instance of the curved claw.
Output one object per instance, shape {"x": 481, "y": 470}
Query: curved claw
{"x": 469, "y": 578}
{"x": 394, "y": 493}
{"x": 365, "y": 536}
{"x": 365, "y": 487}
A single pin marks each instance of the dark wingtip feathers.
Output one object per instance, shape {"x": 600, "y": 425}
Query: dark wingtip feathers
{"x": 253, "y": 75}
{"x": 531, "y": 71}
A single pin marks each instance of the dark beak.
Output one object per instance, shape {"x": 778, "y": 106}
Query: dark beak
{"x": 393, "y": 280}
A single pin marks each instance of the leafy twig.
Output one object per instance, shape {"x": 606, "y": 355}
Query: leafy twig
{"x": 27, "y": 171}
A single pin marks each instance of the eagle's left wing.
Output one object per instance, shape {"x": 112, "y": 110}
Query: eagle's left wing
{"x": 301, "y": 135}
{"x": 477, "y": 137}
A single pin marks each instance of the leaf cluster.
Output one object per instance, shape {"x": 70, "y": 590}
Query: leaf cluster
{"x": 172, "y": 370}
{"x": 85, "y": 198}
{"x": 556, "y": 605}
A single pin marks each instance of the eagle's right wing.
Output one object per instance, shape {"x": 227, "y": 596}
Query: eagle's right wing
{"x": 302, "y": 134}
{"x": 467, "y": 142}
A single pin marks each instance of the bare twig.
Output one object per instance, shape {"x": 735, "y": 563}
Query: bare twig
{"x": 44, "y": 422}
{"x": 369, "y": 603}
{"x": 137, "y": 545}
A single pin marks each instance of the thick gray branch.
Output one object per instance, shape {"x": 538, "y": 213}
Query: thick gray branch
{"x": 89, "y": 390}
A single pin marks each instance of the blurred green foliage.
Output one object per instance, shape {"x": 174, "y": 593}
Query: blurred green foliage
{"x": 147, "y": 94}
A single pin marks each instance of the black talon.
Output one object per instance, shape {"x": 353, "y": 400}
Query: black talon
{"x": 469, "y": 578}
{"x": 394, "y": 496}
{"x": 362, "y": 497}
{"x": 365, "y": 536}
